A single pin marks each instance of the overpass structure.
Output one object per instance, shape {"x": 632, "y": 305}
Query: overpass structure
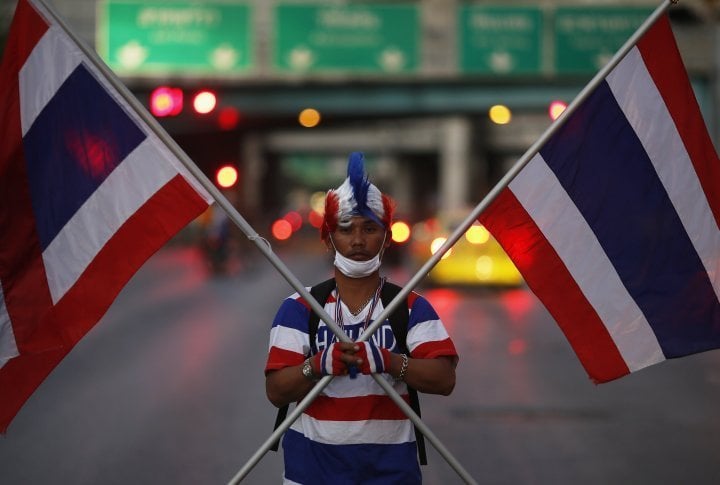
{"x": 408, "y": 82}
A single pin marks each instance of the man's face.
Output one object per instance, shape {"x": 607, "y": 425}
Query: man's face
{"x": 361, "y": 240}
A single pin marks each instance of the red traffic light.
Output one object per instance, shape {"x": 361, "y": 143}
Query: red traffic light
{"x": 281, "y": 230}
{"x": 166, "y": 101}
{"x": 228, "y": 118}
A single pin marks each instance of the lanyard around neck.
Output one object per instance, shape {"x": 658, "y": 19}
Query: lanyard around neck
{"x": 338, "y": 308}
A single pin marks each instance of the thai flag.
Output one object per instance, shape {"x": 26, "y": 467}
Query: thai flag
{"x": 615, "y": 222}
{"x": 87, "y": 194}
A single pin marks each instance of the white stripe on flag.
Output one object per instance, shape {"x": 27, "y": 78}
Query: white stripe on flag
{"x": 540, "y": 193}
{"x": 122, "y": 193}
{"x": 52, "y": 60}
{"x": 167, "y": 155}
{"x": 637, "y": 94}
{"x": 8, "y": 346}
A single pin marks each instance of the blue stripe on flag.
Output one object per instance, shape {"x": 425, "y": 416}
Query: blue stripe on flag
{"x": 75, "y": 143}
{"x": 602, "y": 165}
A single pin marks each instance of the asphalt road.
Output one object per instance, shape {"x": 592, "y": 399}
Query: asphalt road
{"x": 169, "y": 388}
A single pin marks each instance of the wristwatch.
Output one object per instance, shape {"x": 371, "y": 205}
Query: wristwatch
{"x": 307, "y": 370}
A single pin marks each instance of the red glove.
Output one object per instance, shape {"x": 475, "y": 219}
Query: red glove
{"x": 328, "y": 361}
{"x": 375, "y": 360}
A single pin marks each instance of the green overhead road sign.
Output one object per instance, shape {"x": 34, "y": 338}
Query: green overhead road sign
{"x": 587, "y": 37}
{"x": 500, "y": 40}
{"x": 346, "y": 38}
{"x": 170, "y": 37}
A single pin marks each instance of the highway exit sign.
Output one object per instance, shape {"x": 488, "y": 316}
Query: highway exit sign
{"x": 501, "y": 40}
{"x": 586, "y": 38}
{"x": 348, "y": 38}
{"x": 146, "y": 37}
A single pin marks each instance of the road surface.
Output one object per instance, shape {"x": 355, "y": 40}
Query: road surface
{"x": 168, "y": 389}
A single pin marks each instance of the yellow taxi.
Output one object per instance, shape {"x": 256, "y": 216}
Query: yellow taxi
{"x": 476, "y": 259}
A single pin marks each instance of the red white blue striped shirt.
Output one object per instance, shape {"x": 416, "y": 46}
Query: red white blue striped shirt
{"x": 353, "y": 432}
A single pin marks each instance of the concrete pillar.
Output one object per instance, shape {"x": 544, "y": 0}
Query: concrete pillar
{"x": 439, "y": 40}
{"x": 401, "y": 185}
{"x": 251, "y": 157}
{"x": 454, "y": 164}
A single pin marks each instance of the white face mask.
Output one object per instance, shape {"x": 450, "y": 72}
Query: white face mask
{"x": 357, "y": 269}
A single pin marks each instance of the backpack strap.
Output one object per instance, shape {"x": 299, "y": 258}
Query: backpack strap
{"x": 321, "y": 293}
{"x": 399, "y": 320}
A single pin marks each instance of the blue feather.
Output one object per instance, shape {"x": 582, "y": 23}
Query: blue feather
{"x": 361, "y": 186}
{"x": 359, "y": 181}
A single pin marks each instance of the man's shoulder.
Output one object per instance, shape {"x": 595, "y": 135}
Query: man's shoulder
{"x": 293, "y": 306}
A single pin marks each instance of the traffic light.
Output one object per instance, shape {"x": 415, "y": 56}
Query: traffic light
{"x": 556, "y": 109}
{"x": 166, "y": 101}
{"x": 500, "y": 114}
{"x": 309, "y": 118}
{"x": 226, "y": 176}
{"x": 228, "y": 118}
{"x": 295, "y": 220}
{"x": 315, "y": 219}
{"x": 400, "y": 232}
{"x": 204, "y": 101}
{"x": 281, "y": 229}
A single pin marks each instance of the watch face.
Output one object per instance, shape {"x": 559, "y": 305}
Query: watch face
{"x": 307, "y": 370}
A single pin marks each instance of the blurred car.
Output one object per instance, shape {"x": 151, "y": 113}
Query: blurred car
{"x": 476, "y": 259}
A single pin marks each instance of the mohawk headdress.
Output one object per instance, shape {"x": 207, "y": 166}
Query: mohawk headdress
{"x": 355, "y": 197}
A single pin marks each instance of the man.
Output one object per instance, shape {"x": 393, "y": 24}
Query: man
{"x": 353, "y": 432}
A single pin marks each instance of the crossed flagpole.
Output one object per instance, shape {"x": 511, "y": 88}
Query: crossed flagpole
{"x": 264, "y": 246}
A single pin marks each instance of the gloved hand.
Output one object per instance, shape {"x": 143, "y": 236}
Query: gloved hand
{"x": 375, "y": 360}
{"x": 329, "y": 361}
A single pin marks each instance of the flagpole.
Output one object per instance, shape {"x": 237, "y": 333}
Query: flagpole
{"x": 519, "y": 165}
{"x": 262, "y": 244}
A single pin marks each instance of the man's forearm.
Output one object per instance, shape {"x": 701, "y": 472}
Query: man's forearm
{"x": 287, "y": 385}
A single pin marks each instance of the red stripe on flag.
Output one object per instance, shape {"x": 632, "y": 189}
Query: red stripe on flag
{"x": 21, "y": 268}
{"x": 26, "y": 30}
{"x": 161, "y": 217}
{"x": 326, "y": 408}
{"x": 662, "y": 58}
{"x": 551, "y": 281}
